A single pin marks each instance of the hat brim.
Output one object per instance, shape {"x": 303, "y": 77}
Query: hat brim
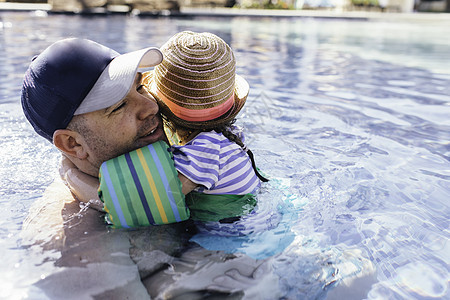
{"x": 241, "y": 90}
{"x": 117, "y": 79}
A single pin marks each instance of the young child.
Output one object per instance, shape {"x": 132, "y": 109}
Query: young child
{"x": 200, "y": 95}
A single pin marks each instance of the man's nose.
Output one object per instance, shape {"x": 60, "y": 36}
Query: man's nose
{"x": 147, "y": 107}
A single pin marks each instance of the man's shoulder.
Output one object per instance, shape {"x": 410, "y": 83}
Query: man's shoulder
{"x": 44, "y": 222}
{"x": 52, "y": 217}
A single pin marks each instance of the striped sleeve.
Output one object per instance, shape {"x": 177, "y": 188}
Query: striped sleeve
{"x": 216, "y": 164}
{"x": 198, "y": 162}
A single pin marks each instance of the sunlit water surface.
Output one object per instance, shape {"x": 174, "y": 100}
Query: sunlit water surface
{"x": 350, "y": 119}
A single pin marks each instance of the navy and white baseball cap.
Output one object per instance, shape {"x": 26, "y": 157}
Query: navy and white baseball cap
{"x": 76, "y": 76}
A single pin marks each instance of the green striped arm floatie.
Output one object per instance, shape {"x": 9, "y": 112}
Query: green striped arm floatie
{"x": 141, "y": 188}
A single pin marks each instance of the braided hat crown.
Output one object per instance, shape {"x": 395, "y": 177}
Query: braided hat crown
{"x": 196, "y": 84}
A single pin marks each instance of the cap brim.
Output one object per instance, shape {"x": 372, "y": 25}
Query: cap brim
{"x": 241, "y": 90}
{"x": 116, "y": 80}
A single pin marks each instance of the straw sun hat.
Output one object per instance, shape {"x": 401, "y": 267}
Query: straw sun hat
{"x": 196, "y": 85}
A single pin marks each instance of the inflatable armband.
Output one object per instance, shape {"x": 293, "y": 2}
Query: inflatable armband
{"x": 141, "y": 188}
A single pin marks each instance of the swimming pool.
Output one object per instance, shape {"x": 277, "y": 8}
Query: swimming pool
{"x": 349, "y": 118}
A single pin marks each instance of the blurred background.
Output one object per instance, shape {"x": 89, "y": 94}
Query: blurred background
{"x": 174, "y": 6}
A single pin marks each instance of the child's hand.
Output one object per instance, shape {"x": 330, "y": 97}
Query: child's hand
{"x": 83, "y": 186}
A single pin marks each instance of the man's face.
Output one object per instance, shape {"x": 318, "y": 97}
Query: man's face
{"x": 130, "y": 124}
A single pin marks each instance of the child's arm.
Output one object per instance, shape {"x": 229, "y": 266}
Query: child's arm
{"x": 186, "y": 184}
{"x": 83, "y": 186}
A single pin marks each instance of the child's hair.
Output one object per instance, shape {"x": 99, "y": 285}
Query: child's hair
{"x": 226, "y": 131}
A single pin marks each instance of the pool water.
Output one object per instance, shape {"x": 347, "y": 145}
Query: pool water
{"x": 349, "y": 119}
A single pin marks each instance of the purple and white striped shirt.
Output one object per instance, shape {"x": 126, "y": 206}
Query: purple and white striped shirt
{"x": 216, "y": 164}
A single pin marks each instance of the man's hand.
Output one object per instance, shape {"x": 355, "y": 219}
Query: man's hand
{"x": 201, "y": 273}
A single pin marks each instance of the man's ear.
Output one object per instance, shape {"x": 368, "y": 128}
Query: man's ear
{"x": 70, "y": 142}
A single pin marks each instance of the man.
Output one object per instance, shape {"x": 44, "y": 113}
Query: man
{"x": 88, "y": 101}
